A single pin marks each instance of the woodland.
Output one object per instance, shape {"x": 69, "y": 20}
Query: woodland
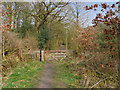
{"x": 95, "y": 47}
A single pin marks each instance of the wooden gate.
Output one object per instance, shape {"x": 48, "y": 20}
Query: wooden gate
{"x": 54, "y": 55}
{"x": 47, "y": 55}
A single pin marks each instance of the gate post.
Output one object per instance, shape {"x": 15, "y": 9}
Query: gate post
{"x": 42, "y": 55}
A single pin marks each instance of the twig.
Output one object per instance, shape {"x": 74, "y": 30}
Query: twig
{"x": 87, "y": 82}
{"x": 86, "y": 60}
{"x": 98, "y": 83}
{"x": 90, "y": 58}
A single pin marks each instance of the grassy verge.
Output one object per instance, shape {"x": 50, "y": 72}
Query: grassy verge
{"x": 24, "y": 76}
{"x": 64, "y": 75}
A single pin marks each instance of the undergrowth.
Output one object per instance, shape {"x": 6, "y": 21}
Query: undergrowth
{"x": 76, "y": 75}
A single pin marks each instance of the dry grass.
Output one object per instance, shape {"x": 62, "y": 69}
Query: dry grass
{"x": 15, "y": 47}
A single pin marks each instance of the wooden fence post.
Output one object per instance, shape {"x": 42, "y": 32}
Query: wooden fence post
{"x": 42, "y": 55}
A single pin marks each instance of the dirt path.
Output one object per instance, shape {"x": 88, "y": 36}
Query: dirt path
{"x": 47, "y": 77}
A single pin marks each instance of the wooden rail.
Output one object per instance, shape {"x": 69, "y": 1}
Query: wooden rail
{"x": 55, "y": 51}
{"x": 55, "y": 54}
{"x": 48, "y": 54}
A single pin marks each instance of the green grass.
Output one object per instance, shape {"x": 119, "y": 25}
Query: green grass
{"x": 63, "y": 74}
{"x": 24, "y": 76}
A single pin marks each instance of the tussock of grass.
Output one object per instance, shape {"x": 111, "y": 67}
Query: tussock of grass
{"x": 24, "y": 76}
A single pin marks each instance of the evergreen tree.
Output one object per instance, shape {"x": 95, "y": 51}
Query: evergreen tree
{"x": 43, "y": 36}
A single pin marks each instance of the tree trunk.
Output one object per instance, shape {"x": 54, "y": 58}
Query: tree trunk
{"x": 14, "y": 17}
{"x": 119, "y": 47}
{"x": 10, "y": 21}
{"x": 0, "y": 49}
{"x": 18, "y": 21}
{"x": 3, "y": 44}
{"x": 77, "y": 22}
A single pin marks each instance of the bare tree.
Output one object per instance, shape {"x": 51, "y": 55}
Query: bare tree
{"x": 41, "y": 11}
